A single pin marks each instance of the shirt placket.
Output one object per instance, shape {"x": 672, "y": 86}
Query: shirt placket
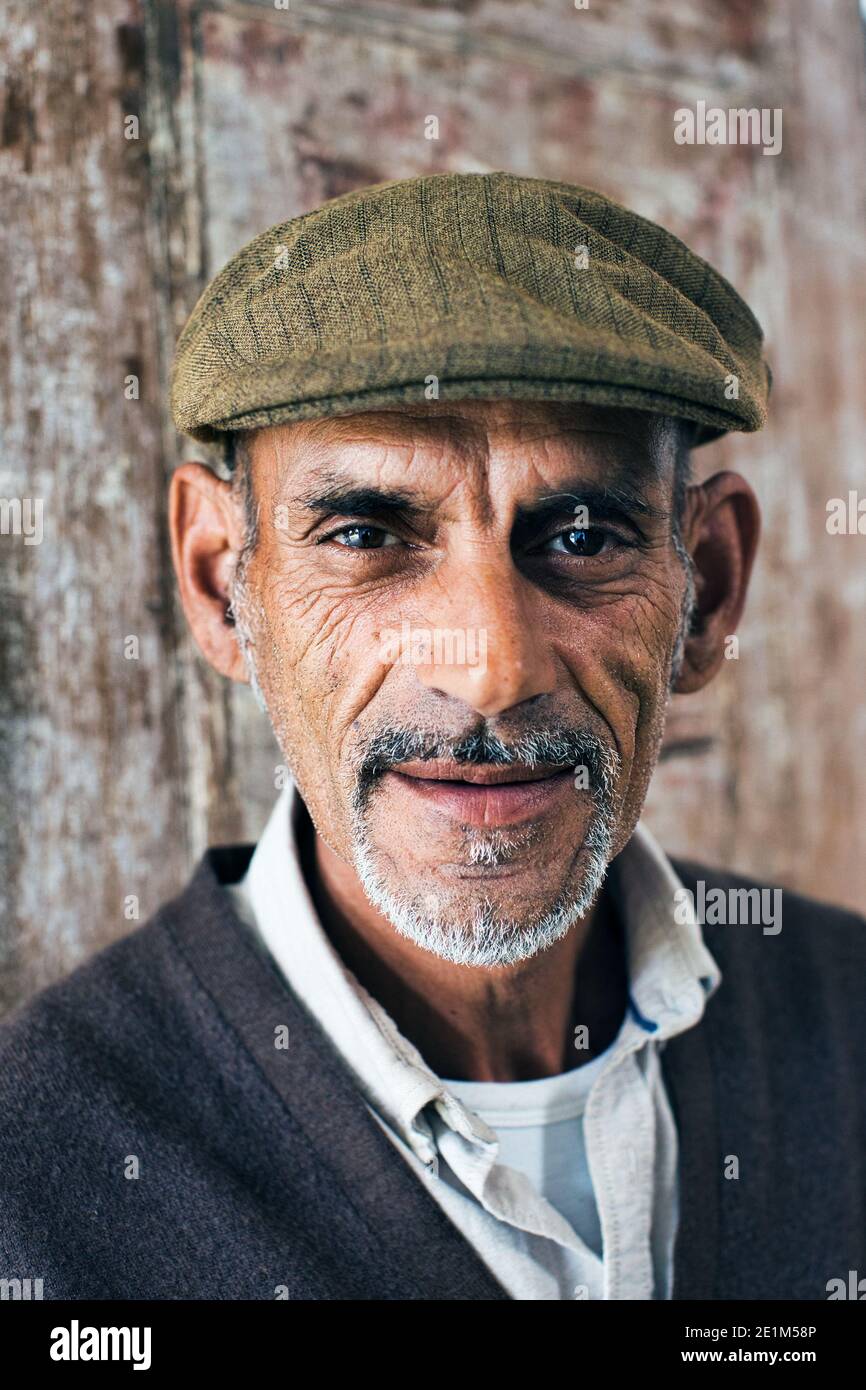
{"x": 619, "y": 1129}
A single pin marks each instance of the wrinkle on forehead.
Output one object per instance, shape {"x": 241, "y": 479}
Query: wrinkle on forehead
{"x": 633, "y": 444}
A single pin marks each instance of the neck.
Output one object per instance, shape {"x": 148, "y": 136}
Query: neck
{"x": 509, "y": 1023}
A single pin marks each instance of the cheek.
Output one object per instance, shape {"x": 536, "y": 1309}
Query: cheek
{"x": 640, "y": 663}
{"x": 643, "y": 642}
{"x": 318, "y": 657}
{"x": 619, "y": 659}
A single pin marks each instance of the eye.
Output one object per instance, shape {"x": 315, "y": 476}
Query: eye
{"x": 584, "y": 542}
{"x": 360, "y": 537}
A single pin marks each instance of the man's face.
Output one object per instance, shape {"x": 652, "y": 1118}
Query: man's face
{"x": 462, "y": 619}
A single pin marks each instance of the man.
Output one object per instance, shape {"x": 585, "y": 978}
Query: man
{"x": 454, "y": 1029}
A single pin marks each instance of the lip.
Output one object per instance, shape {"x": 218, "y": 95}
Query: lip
{"x": 486, "y": 797}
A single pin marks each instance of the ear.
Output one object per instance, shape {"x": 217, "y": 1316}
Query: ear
{"x": 721, "y": 527}
{"x": 206, "y": 537}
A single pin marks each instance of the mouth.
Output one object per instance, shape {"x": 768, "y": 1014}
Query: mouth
{"x": 484, "y": 796}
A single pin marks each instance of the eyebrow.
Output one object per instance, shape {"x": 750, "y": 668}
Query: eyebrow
{"x": 602, "y": 502}
{"x": 614, "y": 502}
{"x": 354, "y": 500}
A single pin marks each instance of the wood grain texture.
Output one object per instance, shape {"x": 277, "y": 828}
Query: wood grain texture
{"x": 118, "y": 772}
{"x": 91, "y": 761}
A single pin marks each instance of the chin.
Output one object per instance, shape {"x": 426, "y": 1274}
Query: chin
{"x": 482, "y": 917}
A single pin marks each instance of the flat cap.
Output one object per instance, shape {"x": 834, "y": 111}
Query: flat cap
{"x": 467, "y": 286}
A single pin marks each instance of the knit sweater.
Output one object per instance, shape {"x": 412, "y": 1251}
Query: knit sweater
{"x": 175, "y": 1125}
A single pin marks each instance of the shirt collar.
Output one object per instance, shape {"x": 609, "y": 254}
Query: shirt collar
{"x": 275, "y": 900}
{"x": 671, "y": 974}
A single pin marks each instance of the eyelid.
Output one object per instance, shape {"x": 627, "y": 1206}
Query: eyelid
{"x": 607, "y": 528}
{"x": 623, "y": 525}
{"x": 357, "y": 526}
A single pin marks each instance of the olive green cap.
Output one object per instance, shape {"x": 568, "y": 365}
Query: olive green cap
{"x": 467, "y": 287}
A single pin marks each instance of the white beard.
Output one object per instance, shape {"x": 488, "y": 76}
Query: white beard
{"x": 485, "y": 938}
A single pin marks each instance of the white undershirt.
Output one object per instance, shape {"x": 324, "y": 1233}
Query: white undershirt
{"x": 539, "y": 1125}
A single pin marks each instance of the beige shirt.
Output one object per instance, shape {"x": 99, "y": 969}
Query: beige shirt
{"x": 621, "y": 1125}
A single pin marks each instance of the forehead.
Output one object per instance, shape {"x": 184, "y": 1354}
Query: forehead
{"x": 474, "y": 436}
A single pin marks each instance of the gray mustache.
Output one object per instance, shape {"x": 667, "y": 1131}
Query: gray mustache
{"x": 553, "y": 747}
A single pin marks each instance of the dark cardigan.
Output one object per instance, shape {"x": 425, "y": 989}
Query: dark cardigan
{"x": 261, "y": 1173}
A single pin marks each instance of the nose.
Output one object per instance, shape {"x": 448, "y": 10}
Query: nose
{"x": 484, "y": 644}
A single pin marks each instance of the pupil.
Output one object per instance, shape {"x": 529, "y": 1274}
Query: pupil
{"x": 585, "y": 542}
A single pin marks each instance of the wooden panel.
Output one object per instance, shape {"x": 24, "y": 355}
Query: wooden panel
{"x": 785, "y": 790}
{"x": 119, "y": 772}
{"x": 92, "y": 766}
